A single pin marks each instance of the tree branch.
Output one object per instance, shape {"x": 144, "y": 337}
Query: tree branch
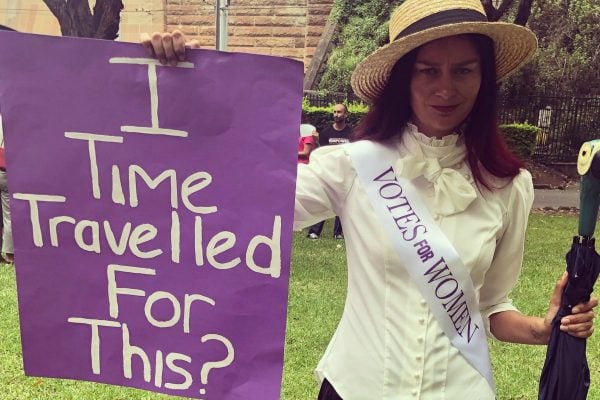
{"x": 494, "y": 14}
{"x": 505, "y": 6}
{"x": 490, "y": 11}
{"x": 107, "y": 17}
{"x": 58, "y": 8}
{"x": 76, "y": 19}
{"x": 524, "y": 12}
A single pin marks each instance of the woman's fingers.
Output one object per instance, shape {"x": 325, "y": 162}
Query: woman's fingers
{"x": 193, "y": 44}
{"x": 555, "y": 299}
{"x": 179, "y": 43}
{"x": 168, "y": 48}
{"x": 559, "y": 287}
{"x": 581, "y": 323}
{"x": 584, "y": 307}
{"x": 156, "y": 43}
{"x": 147, "y": 43}
{"x": 583, "y": 330}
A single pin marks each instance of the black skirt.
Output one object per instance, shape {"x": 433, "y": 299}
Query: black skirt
{"x": 327, "y": 392}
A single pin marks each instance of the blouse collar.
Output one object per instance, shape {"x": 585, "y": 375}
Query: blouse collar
{"x": 436, "y": 161}
{"x": 448, "y": 140}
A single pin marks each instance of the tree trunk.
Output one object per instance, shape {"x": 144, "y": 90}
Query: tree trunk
{"x": 494, "y": 14}
{"x": 76, "y": 19}
{"x": 107, "y": 17}
{"x": 524, "y": 12}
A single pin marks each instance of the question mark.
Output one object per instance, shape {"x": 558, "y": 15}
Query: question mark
{"x": 208, "y": 366}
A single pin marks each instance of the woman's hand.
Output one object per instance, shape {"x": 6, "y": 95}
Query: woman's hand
{"x": 512, "y": 326}
{"x": 581, "y": 322}
{"x": 169, "y": 48}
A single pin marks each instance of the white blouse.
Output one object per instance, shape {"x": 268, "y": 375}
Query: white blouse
{"x": 388, "y": 344}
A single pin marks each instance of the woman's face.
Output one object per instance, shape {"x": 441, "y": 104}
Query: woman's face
{"x": 444, "y": 85}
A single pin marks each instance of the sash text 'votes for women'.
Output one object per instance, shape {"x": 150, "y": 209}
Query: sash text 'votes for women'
{"x": 443, "y": 284}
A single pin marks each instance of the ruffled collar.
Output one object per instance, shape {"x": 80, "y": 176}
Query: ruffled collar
{"x": 448, "y": 140}
{"x": 436, "y": 160}
{"x": 448, "y": 148}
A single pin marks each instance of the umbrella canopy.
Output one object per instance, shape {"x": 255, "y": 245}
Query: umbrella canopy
{"x": 566, "y": 375}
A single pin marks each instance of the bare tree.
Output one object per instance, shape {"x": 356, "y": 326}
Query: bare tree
{"x": 77, "y": 19}
{"x": 493, "y": 13}
{"x": 523, "y": 10}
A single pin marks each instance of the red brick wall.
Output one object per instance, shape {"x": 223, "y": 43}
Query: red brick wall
{"x": 287, "y": 28}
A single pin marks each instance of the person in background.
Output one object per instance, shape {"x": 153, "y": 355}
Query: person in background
{"x": 7, "y": 242}
{"x": 306, "y": 141}
{"x": 337, "y": 133}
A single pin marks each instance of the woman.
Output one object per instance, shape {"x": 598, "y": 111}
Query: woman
{"x": 424, "y": 287}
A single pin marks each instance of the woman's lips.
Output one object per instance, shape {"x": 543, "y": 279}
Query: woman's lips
{"x": 445, "y": 109}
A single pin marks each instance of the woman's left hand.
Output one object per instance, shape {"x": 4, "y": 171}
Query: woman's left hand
{"x": 168, "y": 47}
{"x": 581, "y": 322}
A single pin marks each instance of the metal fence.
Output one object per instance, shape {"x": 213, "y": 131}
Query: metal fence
{"x": 323, "y": 100}
{"x": 565, "y": 122}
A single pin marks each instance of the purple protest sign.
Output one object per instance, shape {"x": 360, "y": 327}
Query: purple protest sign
{"x": 152, "y": 213}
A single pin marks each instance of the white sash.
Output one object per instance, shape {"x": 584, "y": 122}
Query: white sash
{"x": 429, "y": 257}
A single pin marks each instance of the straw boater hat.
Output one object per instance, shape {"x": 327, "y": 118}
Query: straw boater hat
{"x": 417, "y": 22}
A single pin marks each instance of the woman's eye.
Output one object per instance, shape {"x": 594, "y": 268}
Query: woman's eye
{"x": 428, "y": 71}
{"x": 463, "y": 71}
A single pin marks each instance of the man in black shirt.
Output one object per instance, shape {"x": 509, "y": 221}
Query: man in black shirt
{"x": 336, "y": 133}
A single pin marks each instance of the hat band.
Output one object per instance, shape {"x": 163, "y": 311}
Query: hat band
{"x": 442, "y": 18}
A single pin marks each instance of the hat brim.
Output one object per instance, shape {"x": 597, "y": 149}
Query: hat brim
{"x": 514, "y": 47}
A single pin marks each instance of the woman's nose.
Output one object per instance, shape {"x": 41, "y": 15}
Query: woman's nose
{"x": 446, "y": 87}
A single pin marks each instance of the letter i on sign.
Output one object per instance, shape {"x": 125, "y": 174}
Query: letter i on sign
{"x": 154, "y": 129}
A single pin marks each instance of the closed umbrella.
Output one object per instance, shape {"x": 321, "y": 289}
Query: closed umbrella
{"x": 566, "y": 375}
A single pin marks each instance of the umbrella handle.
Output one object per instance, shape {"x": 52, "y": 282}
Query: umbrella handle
{"x": 589, "y": 200}
{"x": 588, "y": 166}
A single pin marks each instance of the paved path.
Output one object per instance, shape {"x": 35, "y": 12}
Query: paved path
{"x": 556, "y": 198}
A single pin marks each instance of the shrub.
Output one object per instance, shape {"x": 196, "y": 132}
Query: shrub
{"x": 521, "y": 138}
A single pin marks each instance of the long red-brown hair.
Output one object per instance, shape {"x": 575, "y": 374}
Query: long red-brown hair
{"x": 391, "y": 111}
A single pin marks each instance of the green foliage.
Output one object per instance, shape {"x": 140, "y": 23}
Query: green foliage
{"x": 521, "y": 138}
{"x": 363, "y": 28}
{"x": 567, "y": 62}
{"x": 353, "y": 107}
{"x": 568, "y": 58}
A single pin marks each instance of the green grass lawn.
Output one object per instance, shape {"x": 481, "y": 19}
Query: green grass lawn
{"x": 317, "y": 291}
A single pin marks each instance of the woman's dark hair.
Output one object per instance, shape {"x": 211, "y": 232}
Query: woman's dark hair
{"x": 391, "y": 111}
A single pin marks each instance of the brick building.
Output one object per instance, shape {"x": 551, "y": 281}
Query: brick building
{"x": 287, "y": 28}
